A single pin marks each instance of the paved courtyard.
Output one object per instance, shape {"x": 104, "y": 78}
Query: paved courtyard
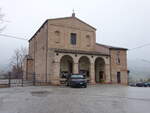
{"x": 93, "y": 99}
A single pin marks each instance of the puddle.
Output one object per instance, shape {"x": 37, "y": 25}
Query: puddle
{"x": 40, "y": 93}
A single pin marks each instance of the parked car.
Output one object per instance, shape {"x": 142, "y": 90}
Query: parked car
{"x": 132, "y": 84}
{"x": 142, "y": 84}
{"x": 76, "y": 80}
{"x": 147, "y": 84}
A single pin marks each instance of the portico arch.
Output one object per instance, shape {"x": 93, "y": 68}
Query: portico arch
{"x": 84, "y": 66}
{"x": 66, "y": 66}
{"x": 100, "y": 70}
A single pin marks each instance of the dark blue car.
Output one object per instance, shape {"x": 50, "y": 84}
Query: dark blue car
{"x": 77, "y": 80}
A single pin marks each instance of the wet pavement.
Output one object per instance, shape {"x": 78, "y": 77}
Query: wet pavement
{"x": 93, "y": 99}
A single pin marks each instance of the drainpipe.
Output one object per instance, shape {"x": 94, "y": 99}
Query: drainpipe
{"x": 110, "y": 66}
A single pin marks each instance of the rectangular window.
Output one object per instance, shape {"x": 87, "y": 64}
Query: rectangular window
{"x": 73, "y": 38}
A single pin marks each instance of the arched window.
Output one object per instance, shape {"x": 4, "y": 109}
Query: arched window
{"x": 117, "y": 57}
{"x": 57, "y": 33}
{"x": 88, "y": 39}
{"x": 57, "y": 36}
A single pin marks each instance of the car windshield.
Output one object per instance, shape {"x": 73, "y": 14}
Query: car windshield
{"x": 77, "y": 76}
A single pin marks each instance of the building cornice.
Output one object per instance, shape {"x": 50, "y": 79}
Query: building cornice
{"x": 78, "y": 52}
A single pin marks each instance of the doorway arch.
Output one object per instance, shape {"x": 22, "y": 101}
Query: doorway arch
{"x": 100, "y": 70}
{"x": 66, "y": 66}
{"x": 84, "y": 66}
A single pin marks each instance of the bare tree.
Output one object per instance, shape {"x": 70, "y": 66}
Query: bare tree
{"x": 17, "y": 61}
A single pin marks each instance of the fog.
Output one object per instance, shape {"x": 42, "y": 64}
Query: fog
{"x": 122, "y": 23}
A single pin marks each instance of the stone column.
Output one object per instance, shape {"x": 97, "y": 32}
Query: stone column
{"x": 56, "y": 74}
{"x": 75, "y": 67}
{"x": 92, "y": 73}
{"x": 107, "y": 73}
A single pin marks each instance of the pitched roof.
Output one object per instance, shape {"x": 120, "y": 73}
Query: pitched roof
{"x": 111, "y": 47}
{"x": 38, "y": 30}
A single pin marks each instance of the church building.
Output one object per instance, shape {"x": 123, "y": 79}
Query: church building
{"x": 68, "y": 45}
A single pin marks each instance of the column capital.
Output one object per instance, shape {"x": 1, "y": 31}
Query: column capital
{"x": 76, "y": 61}
{"x": 92, "y": 63}
{"x": 55, "y": 61}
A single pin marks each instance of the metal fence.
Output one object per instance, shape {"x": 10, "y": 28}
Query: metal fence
{"x": 11, "y": 81}
{"x": 20, "y": 81}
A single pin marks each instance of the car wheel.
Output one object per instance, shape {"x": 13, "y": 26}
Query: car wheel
{"x": 67, "y": 84}
{"x": 70, "y": 85}
{"x": 85, "y": 86}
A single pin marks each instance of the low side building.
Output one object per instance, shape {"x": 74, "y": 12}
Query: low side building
{"x": 68, "y": 45}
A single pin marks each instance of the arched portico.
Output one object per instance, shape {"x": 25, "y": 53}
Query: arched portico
{"x": 100, "y": 75}
{"x": 66, "y": 66}
{"x": 84, "y": 66}
{"x": 96, "y": 68}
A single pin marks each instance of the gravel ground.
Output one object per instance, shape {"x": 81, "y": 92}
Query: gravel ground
{"x": 93, "y": 99}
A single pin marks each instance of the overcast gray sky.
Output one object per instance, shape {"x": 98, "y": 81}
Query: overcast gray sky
{"x": 123, "y": 23}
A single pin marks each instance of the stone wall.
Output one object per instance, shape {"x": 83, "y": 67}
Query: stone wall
{"x": 55, "y": 33}
{"x": 59, "y": 34}
{"x": 38, "y": 51}
{"x": 102, "y": 49}
{"x": 29, "y": 70}
{"x": 119, "y": 67}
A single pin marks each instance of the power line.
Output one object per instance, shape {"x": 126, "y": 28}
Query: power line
{"x": 140, "y": 47}
{"x": 10, "y": 36}
{"x": 147, "y": 61}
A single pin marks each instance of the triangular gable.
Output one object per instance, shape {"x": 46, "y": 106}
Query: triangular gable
{"x": 71, "y": 22}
